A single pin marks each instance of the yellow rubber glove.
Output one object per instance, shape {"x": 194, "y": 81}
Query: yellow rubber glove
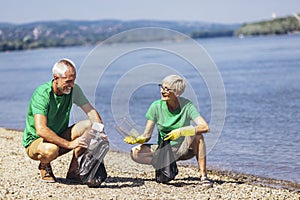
{"x": 184, "y": 131}
{"x": 132, "y": 140}
{"x": 129, "y": 139}
{"x": 173, "y": 135}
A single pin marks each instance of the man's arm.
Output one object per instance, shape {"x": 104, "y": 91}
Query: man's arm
{"x": 47, "y": 134}
{"x": 92, "y": 113}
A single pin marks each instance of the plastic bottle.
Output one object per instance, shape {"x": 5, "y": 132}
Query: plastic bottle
{"x": 95, "y": 134}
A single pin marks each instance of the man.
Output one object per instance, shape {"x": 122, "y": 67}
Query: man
{"x": 172, "y": 115}
{"x": 47, "y": 135}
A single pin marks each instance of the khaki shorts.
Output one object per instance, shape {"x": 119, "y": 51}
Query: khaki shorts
{"x": 181, "y": 151}
{"x": 32, "y": 149}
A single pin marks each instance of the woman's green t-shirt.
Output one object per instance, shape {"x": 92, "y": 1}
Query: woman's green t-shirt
{"x": 166, "y": 121}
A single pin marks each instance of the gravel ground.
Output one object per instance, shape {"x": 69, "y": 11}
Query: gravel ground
{"x": 20, "y": 179}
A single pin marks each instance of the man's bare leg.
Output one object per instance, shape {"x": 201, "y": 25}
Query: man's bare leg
{"x": 76, "y": 131}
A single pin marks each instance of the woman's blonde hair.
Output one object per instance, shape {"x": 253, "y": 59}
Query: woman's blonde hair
{"x": 176, "y": 83}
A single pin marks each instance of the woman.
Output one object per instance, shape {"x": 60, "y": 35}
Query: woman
{"x": 172, "y": 115}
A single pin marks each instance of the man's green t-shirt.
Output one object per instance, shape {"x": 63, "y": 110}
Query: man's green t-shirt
{"x": 166, "y": 121}
{"x": 56, "y": 108}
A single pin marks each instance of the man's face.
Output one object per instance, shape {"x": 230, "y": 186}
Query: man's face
{"x": 65, "y": 84}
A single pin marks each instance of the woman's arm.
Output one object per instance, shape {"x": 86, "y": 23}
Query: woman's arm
{"x": 201, "y": 125}
{"x": 145, "y": 137}
{"x": 148, "y": 130}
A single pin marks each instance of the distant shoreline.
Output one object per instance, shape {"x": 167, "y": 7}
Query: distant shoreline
{"x": 66, "y": 33}
{"x": 296, "y": 33}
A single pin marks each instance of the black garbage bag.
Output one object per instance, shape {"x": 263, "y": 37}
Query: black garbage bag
{"x": 91, "y": 167}
{"x": 164, "y": 163}
{"x": 99, "y": 177}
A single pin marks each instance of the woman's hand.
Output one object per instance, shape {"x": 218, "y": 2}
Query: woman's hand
{"x": 132, "y": 140}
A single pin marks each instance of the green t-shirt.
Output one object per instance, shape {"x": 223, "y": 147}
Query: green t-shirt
{"x": 167, "y": 121}
{"x": 56, "y": 108}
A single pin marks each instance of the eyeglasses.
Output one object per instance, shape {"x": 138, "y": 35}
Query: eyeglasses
{"x": 164, "y": 89}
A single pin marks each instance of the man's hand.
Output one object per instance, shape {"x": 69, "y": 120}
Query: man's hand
{"x": 78, "y": 142}
{"x": 104, "y": 136}
{"x": 132, "y": 140}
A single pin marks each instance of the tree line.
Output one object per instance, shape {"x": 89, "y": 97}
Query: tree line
{"x": 278, "y": 26}
{"x": 78, "y": 33}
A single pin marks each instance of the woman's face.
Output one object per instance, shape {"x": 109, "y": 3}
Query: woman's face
{"x": 167, "y": 92}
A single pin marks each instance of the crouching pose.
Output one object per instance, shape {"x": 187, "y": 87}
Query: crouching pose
{"x": 172, "y": 115}
{"x": 47, "y": 134}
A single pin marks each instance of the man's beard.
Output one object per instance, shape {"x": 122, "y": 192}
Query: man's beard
{"x": 65, "y": 90}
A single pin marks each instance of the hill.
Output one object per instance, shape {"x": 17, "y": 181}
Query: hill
{"x": 78, "y": 33}
{"x": 277, "y": 26}
{"x": 74, "y": 33}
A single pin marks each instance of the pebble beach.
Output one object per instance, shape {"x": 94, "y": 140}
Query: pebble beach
{"x": 20, "y": 179}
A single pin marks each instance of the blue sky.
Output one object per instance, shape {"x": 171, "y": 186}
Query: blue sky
{"x": 220, "y": 11}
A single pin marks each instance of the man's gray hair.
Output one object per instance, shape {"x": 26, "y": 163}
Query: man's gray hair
{"x": 60, "y": 67}
{"x": 175, "y": 82}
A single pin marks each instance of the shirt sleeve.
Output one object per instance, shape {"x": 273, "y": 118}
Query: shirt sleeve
{"x": 39, "y": 103}
{"x": 193, "y": 111}
{"x": 78, "y": 97}
{"x": 151, "y": 113}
